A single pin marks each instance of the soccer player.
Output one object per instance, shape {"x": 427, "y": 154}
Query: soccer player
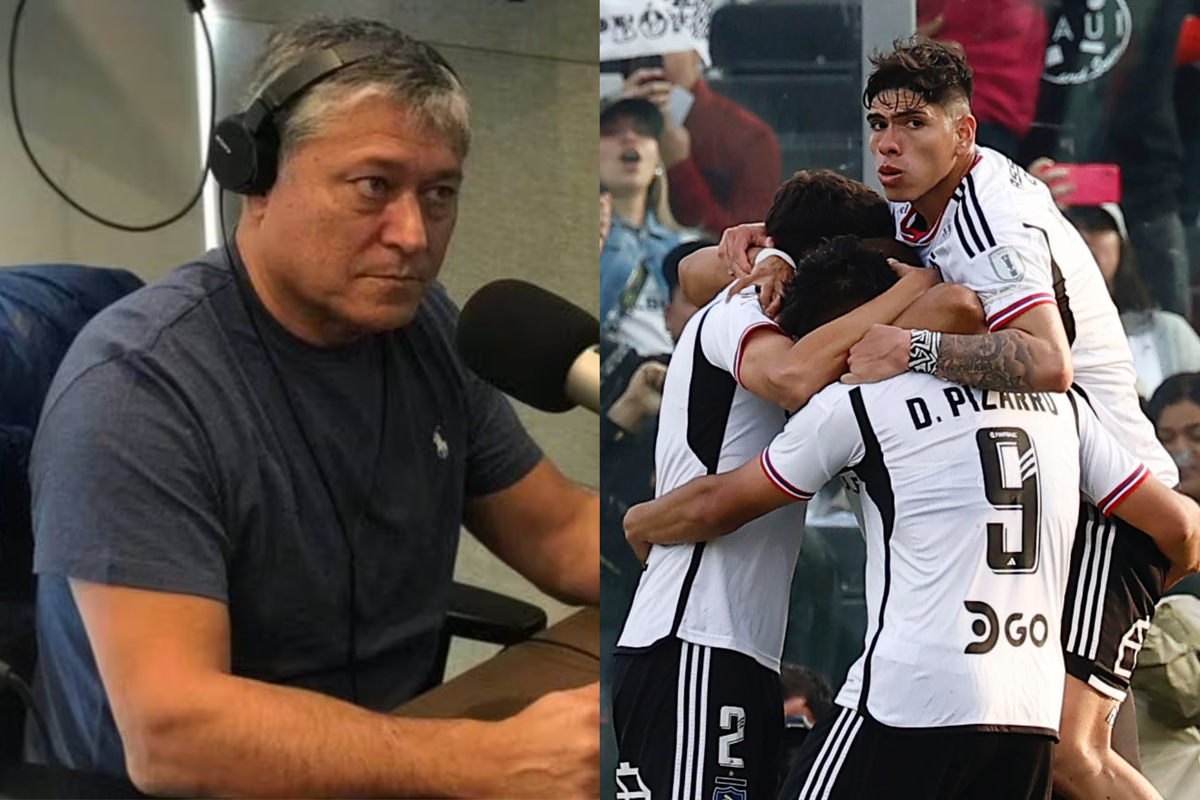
{"x": 696, "y": 699}
{"x": 985, "y": 223}
{"x": 811, "y": 207}
{"x": 969, "y": 506}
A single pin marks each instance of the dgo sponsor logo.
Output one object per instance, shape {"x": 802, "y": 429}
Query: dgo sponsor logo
{"x": 1016, "y": 628}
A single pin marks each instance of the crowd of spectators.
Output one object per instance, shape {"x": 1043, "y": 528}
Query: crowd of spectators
{"x": 1057, "y": 83}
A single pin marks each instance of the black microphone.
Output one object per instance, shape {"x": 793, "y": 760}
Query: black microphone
{"x": 533, "y": 345}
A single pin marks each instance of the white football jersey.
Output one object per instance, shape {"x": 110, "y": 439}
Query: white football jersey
{"x": 1002, "y": 236}
{"x": 969, "y": 503}
{"x": 732, "y": 592}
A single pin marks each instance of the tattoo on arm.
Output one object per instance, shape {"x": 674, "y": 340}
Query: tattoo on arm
{"x": 1002, "y": 361}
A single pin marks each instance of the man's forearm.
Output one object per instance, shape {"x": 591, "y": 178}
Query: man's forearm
{"x": 570, "y": 569}
{"x": 1003, "y": 361}
{"x": 629, "y": 416}
{"x": 251, "y": 739}
{"x": 546, "y": 527}
{"x": 564, "y": 561}
{"x": 819, "y": 358}
{"x": 678, "y": 517}
{"x": 702, "y": 275}
{"x": 946, "y": 307}
{"x": 835, "y": 338}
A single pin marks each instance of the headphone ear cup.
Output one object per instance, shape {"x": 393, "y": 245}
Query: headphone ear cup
{"x": 266, "y": 158}
{"x": 243, "y": 161}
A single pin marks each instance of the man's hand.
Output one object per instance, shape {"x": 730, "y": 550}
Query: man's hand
{"x": 932, "y": 276}
{"x": 641, "y": 398}
{"x": 881, "y": 354}
{"x": 1049, "y": 173}
{"x": 552, "y": 748}
{"x": 931, "y": 27}
{"x": 735, "y": 245}
{"x": 640, "y": 547}
{"x": 771, "y": 276}
{"x": 649, "y": 83}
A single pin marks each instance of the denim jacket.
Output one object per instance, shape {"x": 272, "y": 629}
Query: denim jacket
{"x": 624, "y": 250}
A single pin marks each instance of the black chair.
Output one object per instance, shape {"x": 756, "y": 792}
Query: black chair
{"x": 786, "y": 36}
{"x": 482, "y": 615}
{"x": 41, "y": 310}
{"x": 802, "y": 76}
{"x": 17, "y": 644}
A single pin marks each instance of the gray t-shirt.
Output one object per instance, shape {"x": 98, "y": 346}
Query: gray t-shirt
{"x": 171, "y": 456}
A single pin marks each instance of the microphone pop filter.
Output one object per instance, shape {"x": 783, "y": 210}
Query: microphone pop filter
{"x": 523, "y": 340}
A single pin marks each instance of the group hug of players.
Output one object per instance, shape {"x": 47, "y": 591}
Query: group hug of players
{"x": 1019, "y": 519}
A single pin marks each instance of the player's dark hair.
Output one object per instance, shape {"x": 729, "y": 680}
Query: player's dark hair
{"x": 798, "y": 681}
{"x": 1175, "y": 389}
{"x": 831, "y": 280}
{"x": 935, "y": 71}
{"x": 813, "y": 206}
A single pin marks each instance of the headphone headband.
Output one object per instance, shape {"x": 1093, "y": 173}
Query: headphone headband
{"x": 313, "y": 69}
{"x": 244, "y": 151}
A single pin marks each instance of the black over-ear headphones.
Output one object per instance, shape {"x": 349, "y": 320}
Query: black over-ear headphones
{"x": 244, "y": 152}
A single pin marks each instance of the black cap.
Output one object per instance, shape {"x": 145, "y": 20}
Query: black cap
{"x": 636, "y": 107}
{"x": 670, "y": 263}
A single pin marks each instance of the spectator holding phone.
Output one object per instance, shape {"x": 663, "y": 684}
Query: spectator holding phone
{"x": 723, "y": 161}
{"x": 1078, "y": 184}
{"x": 1112, "y": 93}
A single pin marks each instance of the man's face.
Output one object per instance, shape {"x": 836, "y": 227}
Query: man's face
{"x": 914, "y": 142}
{"x": 628, "y": 155}
{"x": 357, "y": 225}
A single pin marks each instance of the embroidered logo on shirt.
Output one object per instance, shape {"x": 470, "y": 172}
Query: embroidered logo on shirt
{"x": 1007, "y": 264}
{"x": 440, "y": 445}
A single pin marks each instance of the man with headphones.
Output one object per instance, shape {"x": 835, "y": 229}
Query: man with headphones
{"x": 250, "y": 476}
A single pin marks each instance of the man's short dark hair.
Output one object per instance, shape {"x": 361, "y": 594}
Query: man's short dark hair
{"x": 813, "y": 206}
{"x": 935, "y": 71}
{"x": 798, "y": 681}
{"x": 835, "y": 278}
{"x": 410, "y": 73}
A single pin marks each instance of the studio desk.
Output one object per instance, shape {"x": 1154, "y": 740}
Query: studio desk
{"x": 564, "y": 656}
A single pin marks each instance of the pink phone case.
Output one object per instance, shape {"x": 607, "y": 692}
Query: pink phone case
{"x": 1094, "y": 184}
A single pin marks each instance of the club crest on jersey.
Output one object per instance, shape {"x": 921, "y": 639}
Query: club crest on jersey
{"x": 1007, "y": 264}
{"x": 729, "y": 793}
